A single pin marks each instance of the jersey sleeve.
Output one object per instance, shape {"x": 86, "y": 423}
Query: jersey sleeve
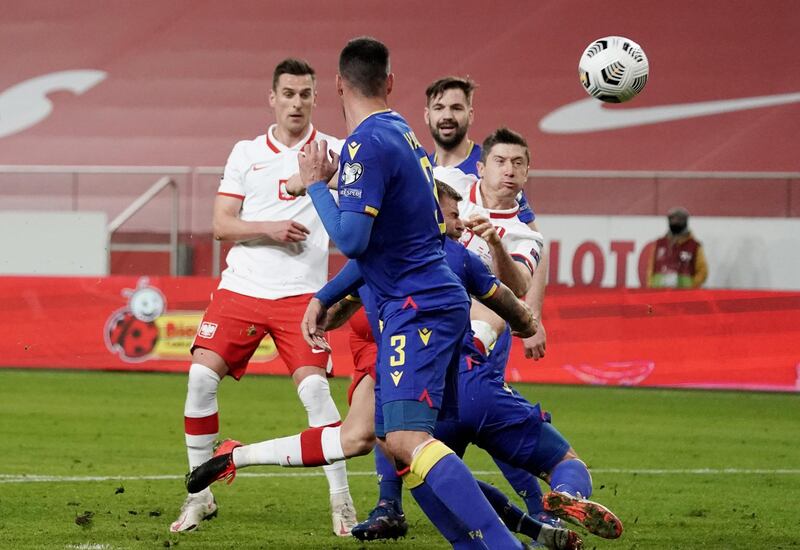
{"x": 362, "y": 176}
{"x": 480, "y": 282}
{"x": 525, "y": 247}
{"x": 232, "y": 182}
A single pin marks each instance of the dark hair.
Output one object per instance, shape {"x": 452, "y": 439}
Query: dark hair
{"x": 290, "y": 65}
{"x": 364, "y": 64}
{"x": 451, "y": 83}
{"x": 443, "y": 189}
{"x": 503, "y": 135}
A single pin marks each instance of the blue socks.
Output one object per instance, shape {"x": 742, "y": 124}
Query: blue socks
{"x": 452, "y": 483}
{"x": 572, "y": 477}
{"x": 390, "y": 485}
{"x": 525, "y": 485}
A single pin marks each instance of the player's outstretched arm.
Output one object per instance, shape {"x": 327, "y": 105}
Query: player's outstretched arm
{"x": 518, "y": 315}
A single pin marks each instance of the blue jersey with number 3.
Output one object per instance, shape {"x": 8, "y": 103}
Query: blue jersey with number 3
{"x": 385, "y": 173}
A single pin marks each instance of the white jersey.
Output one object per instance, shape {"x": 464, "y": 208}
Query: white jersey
{"x": 523, "y": 243}
{"x": 256, "y": 172}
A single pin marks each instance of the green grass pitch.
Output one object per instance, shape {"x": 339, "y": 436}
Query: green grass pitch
{"x": 683, "y": 469}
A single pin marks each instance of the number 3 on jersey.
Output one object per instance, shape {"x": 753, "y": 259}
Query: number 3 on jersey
{"x": 398, "y": 358}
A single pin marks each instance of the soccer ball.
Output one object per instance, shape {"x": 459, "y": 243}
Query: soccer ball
{"x": 613, "y": 69}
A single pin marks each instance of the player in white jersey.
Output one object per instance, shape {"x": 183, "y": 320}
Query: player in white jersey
{"x": 279, "y": 261}
{"x": 510, "y": 247}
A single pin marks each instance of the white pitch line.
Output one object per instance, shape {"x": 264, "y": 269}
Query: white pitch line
{"x": 36, "y": 478}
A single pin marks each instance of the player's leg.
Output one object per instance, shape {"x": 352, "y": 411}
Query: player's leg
{"x": 310, "y": 448}
{"x": 571, "y": 487}
{"x": 525, "y": 484}
{"x": 495, "y": 357}
{"x": 514, "y": 431}
{"x": 518, "y": 521}
{"x": 417, "y": 369}
{"x": 222, "y": 346}
{"x": 387, "y": 519}
{"x": 201, "y": 430}
{"x": 309, "y": 372}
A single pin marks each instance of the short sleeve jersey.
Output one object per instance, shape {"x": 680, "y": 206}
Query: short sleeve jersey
{"x": 523, "y": 243}
{"x": 385, "y": 173}
{"x": 256, "y": 173}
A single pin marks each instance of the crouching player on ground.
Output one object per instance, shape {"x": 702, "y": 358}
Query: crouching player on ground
{"x": 497, "y": 418}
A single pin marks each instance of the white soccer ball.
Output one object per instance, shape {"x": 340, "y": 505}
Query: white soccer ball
{"x": 613, "y": 69}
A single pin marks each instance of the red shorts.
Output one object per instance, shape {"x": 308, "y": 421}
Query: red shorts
{"x": 364, "y": 350}
{"x": 234, "y": 325}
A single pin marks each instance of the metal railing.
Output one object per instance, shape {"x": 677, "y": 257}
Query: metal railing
{"x": 137, "y": 205}
{"x": 192, "y": 176}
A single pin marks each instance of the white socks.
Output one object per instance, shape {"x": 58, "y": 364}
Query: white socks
{"x": 201, "y": 414}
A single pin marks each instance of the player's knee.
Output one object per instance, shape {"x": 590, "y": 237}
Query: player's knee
{"x": 202, "y": 388}
{"x": 402, "y": 445}
{"x": 210, "y": 359}
{"x": 357, "y": 440}
{"x": 315, "y": 393}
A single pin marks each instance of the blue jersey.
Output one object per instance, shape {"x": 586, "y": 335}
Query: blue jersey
{"x": 470, "y": 164}
{"x": 477, "y": 279}
{"x": 384, "y": 172}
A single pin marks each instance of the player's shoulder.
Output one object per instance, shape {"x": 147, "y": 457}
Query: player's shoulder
{"x": 246, "y": 149}
{"x": 455, "y": 178}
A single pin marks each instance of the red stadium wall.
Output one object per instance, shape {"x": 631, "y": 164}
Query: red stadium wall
{"x": 696, "y": 339}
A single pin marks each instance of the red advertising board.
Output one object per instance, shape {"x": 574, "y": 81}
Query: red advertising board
{"x": 700, "y": 339}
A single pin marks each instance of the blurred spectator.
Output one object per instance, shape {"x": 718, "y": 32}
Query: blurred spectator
{"x": 678, "y": 260}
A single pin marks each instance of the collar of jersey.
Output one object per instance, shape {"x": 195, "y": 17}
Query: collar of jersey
{"x": 462, "y": 161}
{"x": 387, "y": 110}
{"x": 278, "y": 147}
{"x": 475, "y": 197}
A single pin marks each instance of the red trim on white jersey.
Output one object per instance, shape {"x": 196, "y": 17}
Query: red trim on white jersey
{"x": 501, "y": 214}
{"x": 234, "y": 195}
{"x": 311, "y": 137}
{"x": 274, "y": 147}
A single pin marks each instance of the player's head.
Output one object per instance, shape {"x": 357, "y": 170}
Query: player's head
{"x": 504, "y": 163}
{"x": 364, "y": 68}
{"x": 293, "y": 95}
{"x": 448, "y": 111}
{"x": 678, "y": 220}
{"x": 448, "y": 203}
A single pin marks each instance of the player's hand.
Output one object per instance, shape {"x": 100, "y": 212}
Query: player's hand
{"x": 294, "y": 186}
{"x": 317, "y": 163}
{"x": 484, "y": 229}
{"x": 285, "y": 231}
{"x": 311, "y": 326}
{"x": 527, "y": 329}
{"x": 536, "y": 344}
